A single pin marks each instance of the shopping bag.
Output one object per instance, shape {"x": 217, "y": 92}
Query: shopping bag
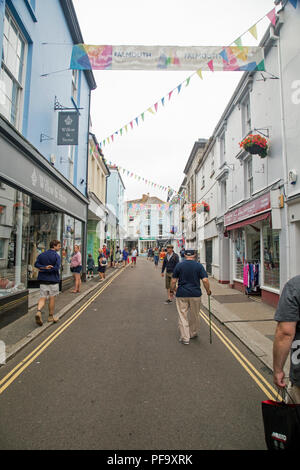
{"x": 281, "y": 425}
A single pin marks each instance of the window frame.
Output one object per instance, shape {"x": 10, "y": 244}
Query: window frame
{"x": 19, "y": 84}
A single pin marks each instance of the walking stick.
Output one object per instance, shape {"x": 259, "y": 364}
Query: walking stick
{"x": 209, "y": 313}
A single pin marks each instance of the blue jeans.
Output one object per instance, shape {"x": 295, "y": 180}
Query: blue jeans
{"x": 156, "y": 260}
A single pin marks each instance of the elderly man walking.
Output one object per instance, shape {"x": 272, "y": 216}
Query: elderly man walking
{"x": 287, "y": 339}
{"x": 170, "y": 261}
{"x": 188, "y": 274}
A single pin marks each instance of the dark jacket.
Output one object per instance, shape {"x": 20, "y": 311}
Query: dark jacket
{"x": 49, "y": 257}
{"x": 170, "y": 265}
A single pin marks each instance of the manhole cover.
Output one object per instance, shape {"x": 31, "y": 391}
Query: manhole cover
{"x": 231, "y": 299}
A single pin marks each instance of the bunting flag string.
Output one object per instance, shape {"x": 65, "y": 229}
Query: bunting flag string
{"x": 229, "y": 54}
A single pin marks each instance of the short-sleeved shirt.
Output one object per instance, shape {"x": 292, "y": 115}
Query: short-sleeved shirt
{"x": 288, "y": 309}
{"x": 189, "y": 273}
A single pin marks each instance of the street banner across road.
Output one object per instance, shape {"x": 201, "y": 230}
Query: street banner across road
{"x": 213, "y": 58}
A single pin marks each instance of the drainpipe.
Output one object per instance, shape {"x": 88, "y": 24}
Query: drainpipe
{"x": 284, "y": 157}
{"x": 84, "y": 250}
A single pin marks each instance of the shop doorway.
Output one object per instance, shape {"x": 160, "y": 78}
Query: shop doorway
{"x": 208, "y": 256}
{"x": 253, "y": 263}
{"x": 45, "y": 225}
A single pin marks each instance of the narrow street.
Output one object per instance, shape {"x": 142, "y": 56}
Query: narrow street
{"x": 117, "y": 378}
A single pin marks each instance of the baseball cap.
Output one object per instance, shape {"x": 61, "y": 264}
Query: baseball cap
{"x": 170, "y": 246}
{"x": 189, "y": 252}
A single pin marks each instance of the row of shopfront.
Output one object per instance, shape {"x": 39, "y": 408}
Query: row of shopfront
{"x": 245, "y": 251}
{"x": 37, "y": 204}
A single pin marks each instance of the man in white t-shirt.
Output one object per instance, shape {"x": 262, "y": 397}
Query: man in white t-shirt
{"x": 133, "y": 257}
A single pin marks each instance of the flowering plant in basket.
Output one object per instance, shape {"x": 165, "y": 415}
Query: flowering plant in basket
{"x": 255, "y": 144}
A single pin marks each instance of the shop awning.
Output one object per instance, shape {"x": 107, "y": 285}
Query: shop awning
{"x": 250, "y": 221}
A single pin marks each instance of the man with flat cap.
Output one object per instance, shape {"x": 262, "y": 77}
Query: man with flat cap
{"x": 170, "y": 261}
{"x": 188, "y": 294}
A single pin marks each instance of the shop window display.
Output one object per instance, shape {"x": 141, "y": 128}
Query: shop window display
{"x": 14, "y": 228}
{"x": 240, "y": 253}
{"x": 44, "y": 227}
{"x": 67, "y": 245}
{"x": 271, "y": 257}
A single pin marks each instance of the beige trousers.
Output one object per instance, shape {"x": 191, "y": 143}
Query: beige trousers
{"x": 188, "y": 316}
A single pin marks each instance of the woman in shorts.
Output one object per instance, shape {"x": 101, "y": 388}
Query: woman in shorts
{"x": 102, "y": 265}
{"x": 76, "y": 268}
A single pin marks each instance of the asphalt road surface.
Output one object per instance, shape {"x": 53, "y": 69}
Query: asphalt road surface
{"x": 114, "y": 376}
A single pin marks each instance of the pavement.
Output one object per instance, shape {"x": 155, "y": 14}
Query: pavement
{"x": 250, "y": 320}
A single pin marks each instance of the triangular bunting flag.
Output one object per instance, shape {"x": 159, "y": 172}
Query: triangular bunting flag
{"x": 156, "y": 106}
{"x": 131, "y": 123}
{"x": 224, "y": 55}
{"x": 199, "y": 72}
{"x": 294, "y": 3}
{"x": 211, "y": 65}
{"x": 179, "y": 88}
{"x": 170, "y": 94}
{"x": 163, "y": 101}
{"x": 150, "y": 110}
{"x": 143, "y": 116}
{"x": 272, "y": 16}
{"x": 126, "y": 128}
{"x": 112, "y": 137}
{"x": 238, "y": 42}
{"x": 253, "y": 31}
{"x": 187, "y": 81}
{"x": 137, "y": 121}
{"x": 121, "y": 130}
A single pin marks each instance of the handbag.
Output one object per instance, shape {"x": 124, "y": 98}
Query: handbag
{"x": 281, "y": 424}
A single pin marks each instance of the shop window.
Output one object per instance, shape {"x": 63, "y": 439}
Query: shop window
{"x": 246, "y": 116}
{"x": 45, "y": 225}
{"x": 12, "y": 70}
{"x": 72, "y": 235}
{"x": 14, "y": 241}
{"x": 240, "y": 253}
{"x": 160, "y": 230}
{"x": 222, "y": 149}
{"x": 67, "y": 245}
{"x": 271, "y": 257}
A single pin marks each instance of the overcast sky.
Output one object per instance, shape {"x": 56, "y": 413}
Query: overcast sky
{"x": 159, "y": 148}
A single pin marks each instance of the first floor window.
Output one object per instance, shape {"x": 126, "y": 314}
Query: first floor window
{"x": 12, "y": 70}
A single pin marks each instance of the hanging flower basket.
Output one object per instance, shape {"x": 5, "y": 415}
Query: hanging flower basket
{"x": 256, "y": 145}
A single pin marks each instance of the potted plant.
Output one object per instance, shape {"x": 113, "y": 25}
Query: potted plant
{"x": 256, "y": 145}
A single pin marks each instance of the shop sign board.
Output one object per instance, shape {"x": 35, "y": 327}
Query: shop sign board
{"x": 67, "y": 133}
{"x": 261, "y": 204}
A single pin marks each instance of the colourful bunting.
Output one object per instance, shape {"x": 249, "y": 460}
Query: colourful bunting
{"x": 294, "y": 3}
{"x": 199, "y": 72}
{"x": 253, "y": 31}
{"x": 238, "y": 42}
{"x": 225, "y": 54}
{"x": 272, "y": 16}
{"x": 211, "y": 65}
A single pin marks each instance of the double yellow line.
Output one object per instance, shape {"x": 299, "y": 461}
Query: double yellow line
{"x": 263, "y": 384}
{"x": 14, "y": 374}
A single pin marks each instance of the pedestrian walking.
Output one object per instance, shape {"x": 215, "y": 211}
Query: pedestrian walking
{"x": 125, "y": 256}
{"x": 133, "y": 257}
{"x": 162, "y": 254}
{"x": 188, "y": 274}
{"x": 287, "y": 340}
{"x": 118, "y": 257}
{"x": 156, "y": 256}
{"x": 76, "y": 268}
{"x": 48, "y": 264}
{"x": 170, "y": 261}
{"x": 102, "y": 265}
{"x": 90, "y": 266}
